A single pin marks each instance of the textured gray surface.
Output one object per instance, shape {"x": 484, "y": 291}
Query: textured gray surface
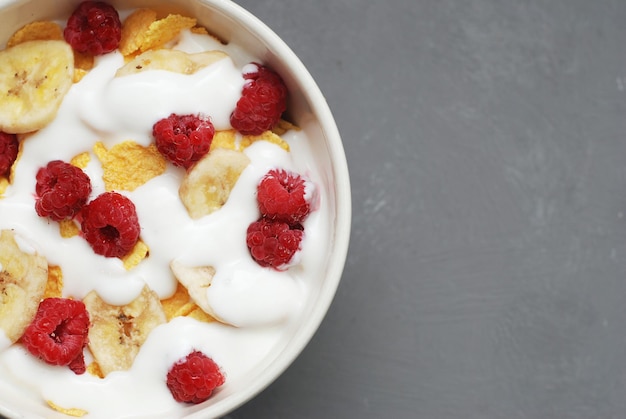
{"x": 486, "y": 276}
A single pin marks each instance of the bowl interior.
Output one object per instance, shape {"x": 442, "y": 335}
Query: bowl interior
{"x": 307, "y": 108}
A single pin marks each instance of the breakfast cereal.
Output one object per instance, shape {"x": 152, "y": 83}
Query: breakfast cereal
{"x": 188, "y": 280}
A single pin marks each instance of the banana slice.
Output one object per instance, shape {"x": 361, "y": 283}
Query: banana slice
{"x": 23, "y": 278}
{"x": 197, "y": 280}
{"x": 117, "y": 332}
{"x": 207, "y": 186}
{"x": 34, "y": 78}
{"x": 170, "y": 60}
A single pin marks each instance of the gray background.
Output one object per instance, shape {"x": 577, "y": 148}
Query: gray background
{"x": 486, "y": 276}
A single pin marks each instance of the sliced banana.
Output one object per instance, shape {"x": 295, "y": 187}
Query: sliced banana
{"x": 207, "y": 186}
{"x": 197, "y": 280}
{"x": 23, "y": 278}
{"x": 170, "y": 60}
{"x": 34, "y": 78}
{"x": 117, "y": 332}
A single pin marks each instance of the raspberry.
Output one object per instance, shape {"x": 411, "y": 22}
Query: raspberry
{"x": 93, "y": 28}
{"x": 8, "y": 151}
{"x": 110, "y": 224}
{"x": 263, "y": 100}
{"x": 282, "y": 196}
{"x": 183, "y": 139}
{"x": 58, "y": 333}
{"x": 62, "y": 190}
{"x": 193, "y": 379}
{"x": 273, "y": 243}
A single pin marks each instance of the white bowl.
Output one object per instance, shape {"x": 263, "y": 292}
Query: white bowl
{"x": 307, "y": 108}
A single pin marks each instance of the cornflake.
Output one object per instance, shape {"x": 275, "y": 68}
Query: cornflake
{"x": 128, "y": 165}
{"x": 164, "y": 30}
{"x": 70, "y": 412}
{"x": 54, "y": 286}
{"x": 134, "y": 29}
{"x": 36, "y": 31}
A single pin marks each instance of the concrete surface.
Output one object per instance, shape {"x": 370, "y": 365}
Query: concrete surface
{"x": 486, "y": 276}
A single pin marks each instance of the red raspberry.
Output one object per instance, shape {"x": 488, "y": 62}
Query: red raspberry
{"x": 183, "y": 139}
{"x": 62, "y": 190}
{"x": 58, "y": 333}
{"x": 263, "y": 100}
{"x": 9, "y": 147}
{"x": 93, "y": 28}
{"x": 110, "y": 224}
{"x": 193, "y": 379}
{"x": 282, "y": 196}
{"x": 273, "y": 243}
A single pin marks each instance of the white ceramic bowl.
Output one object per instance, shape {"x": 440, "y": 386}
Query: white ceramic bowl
{"x": 308, "y": 109}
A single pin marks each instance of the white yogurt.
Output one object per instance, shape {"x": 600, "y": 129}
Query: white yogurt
{"x": 5, "y": 342}
{"x": 260, "y": 301}
{"x": 134, "y": 102}
{"x": 142, "y": 391}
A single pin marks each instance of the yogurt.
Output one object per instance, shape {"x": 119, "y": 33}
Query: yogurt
{"x": 4, "y": 341}
{"x": 261, "y": 305}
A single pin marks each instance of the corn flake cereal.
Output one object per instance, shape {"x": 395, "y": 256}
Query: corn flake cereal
{"x": 82, "y": 64}
{"x": 4, "y": 184}
{"x": 164, "y": 30}
{"x": 94, "y": 369}
{"x": 20, "y": 151}
{"x": 70, "y": 412}
{"x": 199, "y": 314}
{"x": 199, "y": 30}
{"x": 229, "y": 139}
{"x": 78, "y": 75}
{"x": 134, "y": 29}
{"x": 36, "y": 31}
{"x": 224, "y": 139}
{"x": 185, "y": 309}
{"x": 83, "y": 61}
{"x": 173, "y": 304}
{"x": 139, "y": 253}
{"x": 283, "y": 126}
{"x": 54, "y": 286}
{"x": 68, "y": 229}
{"x": 180, "y": 304}
{"x": 81, "y": 160}
{"x": 128, "y": 165}
{"x": 248, "y": 140}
